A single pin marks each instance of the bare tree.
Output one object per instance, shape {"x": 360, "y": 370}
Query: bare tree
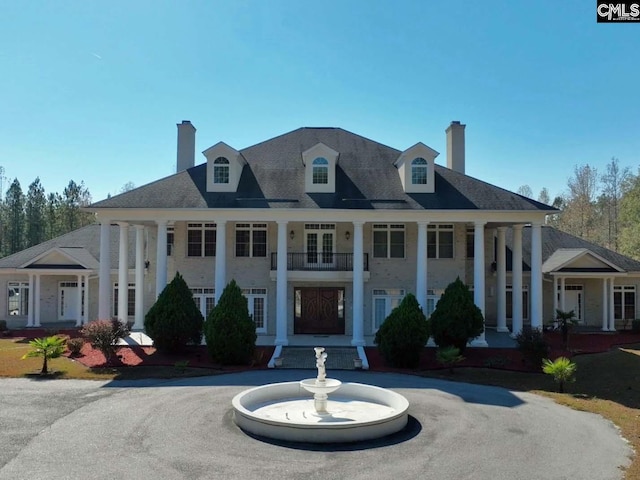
{"x": 580, "y": 216}
{"x": 525, "y": 191}
{"x": 543, "y": 196}
{"x": 613, "y": 185}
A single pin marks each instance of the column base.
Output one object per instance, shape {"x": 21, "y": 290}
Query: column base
{"x": 358, "y": 343}
{"x": 502, "y": 330}
{"x": 478, "y": 342}
{"x": 283, "y": 342}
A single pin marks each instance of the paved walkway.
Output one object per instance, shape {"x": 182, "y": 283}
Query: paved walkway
{"x": 184, "y": 429}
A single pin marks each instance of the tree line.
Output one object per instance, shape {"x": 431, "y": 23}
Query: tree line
{"x": 601, "y": 207}
{"x": 30, "y": 218}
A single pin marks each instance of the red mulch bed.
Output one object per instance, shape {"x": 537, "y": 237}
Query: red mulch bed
{"x": 502, "y": 358}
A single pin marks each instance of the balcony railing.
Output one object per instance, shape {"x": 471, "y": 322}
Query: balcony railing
{"x": 319, "y": 262}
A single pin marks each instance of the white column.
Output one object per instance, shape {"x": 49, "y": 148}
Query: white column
{"x": 612, "y": 315}
{"x": 281, "y": 286}
{"x": 123, "y": 273}
{"x": 536, "y": 276}
{"x": 79, "y": 300}
{"x": 563, "y": 289}
{"x": 36, "y": 318}
{"x": 501, "y": 265}
{"x": 221, "y": 258}
{"x": 358, "y": 286}
{"x": 605, "y": 307}
{"x": 138, "y": 323}
{"x": 104, "y": 288}
{"x": 31, "y": 304}
{"x": 421, "y": 268}
{"x": 516, "y": 281}
{"x": 555, "y": 295}
{"x": 479, "y": 277}
{"x": 86, "y": 303}
{"x": 161, "y": 257}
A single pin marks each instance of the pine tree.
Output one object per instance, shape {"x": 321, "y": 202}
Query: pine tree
{"x": 35, "y": 211}
{"x": 15, "y": 218}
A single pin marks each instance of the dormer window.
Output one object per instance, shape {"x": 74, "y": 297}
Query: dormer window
{"x": 419, "y": 171}
{"x": 221, "y": 170}
{"x": 320, "y": 171}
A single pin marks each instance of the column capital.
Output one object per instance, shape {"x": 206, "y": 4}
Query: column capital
{"x": 221, "y": 221}
{"x": 358, "y": 223}
{"x": 122, "y": 224}
{"x": 517, "y": 226}
{"x": 137, "y": 226}
{"x": 536, "y": 224}
{"x": 423, "y": 223}
{"x": 282, "y": 222}
{"x": 479, "y": 223}
{"x": 501, "y": 229}
{"x": 161, "y": 222}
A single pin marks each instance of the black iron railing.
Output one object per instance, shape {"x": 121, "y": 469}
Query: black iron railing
{"x": 319, "y": 262}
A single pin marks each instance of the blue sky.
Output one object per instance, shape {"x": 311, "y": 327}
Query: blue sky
{"x": 92, "y": 91}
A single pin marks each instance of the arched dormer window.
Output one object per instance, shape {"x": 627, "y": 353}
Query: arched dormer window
{"x": 221, "y": 170}
{"x": 320, "y": 171}
{"x": 419, "y": 171}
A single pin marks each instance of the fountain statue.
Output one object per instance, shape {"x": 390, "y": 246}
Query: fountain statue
{"x": 320, "y": 386}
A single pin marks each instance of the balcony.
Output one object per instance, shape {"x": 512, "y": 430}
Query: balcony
{"x": 319, "y": 262}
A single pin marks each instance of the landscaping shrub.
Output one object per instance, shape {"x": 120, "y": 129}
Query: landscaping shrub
{"x": 562, "y": 369}
{"x": 532, "y": 345}
{"x": 103, "y": 335}
{"x": 229, "y": 331}
{"x": 403, "y": 334}
{"x": 448, "y": 357}
{"x": 456, "y": 319}
{"x": 174, "y": 320}
{"x": 74, "y": 345}
{"x": 47, "y": 348}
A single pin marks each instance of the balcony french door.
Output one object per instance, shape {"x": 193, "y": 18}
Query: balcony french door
{"x": 320, "y": 244}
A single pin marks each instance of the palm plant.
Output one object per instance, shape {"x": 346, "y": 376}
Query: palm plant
{"x": 562, "y": 369}
{"x": 47, "y": 348}
{"x": 448, "y": 356}
{"x": 565, "y": 321}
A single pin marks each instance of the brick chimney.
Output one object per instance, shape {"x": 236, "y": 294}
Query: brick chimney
{"x": 186, "y": 146}
{"x": 455, "y": 146}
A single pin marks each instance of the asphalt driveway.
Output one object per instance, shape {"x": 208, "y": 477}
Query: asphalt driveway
{"x": 170, "y": 430}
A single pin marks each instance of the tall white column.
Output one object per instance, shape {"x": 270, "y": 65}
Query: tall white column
{"x": 281, "y": 286}
{"x": 86, "y": 303}
{"x": 36, "y": 318}
{"x": 161, "y": 257}
{"x": 516, "y": 281}
{"x": 605, "y": 307}
{"x": 123, "y": 273}
{"x": 479, "y": 277}
{"x": 536, "y": 276}
{"x": 104, "y": 287}
{"x": 563, "y": 290}
{"x": 138, "y": 323}
{"x": 358, "y": 286}
{"x": 555, "y": 294}
{"x": 612, "y": 314}
{"x": 31, "y": 304}
{"x": 501, "y": 265}
{"x": 421, "y": 268}
{"x": 79, "y": 301}
{"x": 221, "y": 258}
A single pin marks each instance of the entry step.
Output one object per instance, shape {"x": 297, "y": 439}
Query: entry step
{"x": 338, "y": 358}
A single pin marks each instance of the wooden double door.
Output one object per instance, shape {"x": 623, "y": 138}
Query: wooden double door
{"x": 319, "y": 310}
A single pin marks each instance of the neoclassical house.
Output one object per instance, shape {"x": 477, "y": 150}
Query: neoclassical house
{"x": 325, "y": 231}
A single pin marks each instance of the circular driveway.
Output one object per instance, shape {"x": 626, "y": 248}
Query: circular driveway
{"x": 184, "y": 429}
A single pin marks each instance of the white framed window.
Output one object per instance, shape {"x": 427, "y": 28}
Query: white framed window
{"x": 201, "y": 240}
{"x": 170, "y": 240}
{"x": 433, "y": 296}
{"x": 471, "y": 242}
{"x": 221, "y": 170}
{"x": 257, "y": 303}
{"x": 385, "y": 300}
{"x": 525, "y": 302}
{"x": 624, "y": 302}
{"x": 419, "y": 171}
{"x": 440, "y": 241}
{"x": 251, "y": 239}
{"x": 388, "y": 240}
{"x": 205, "y": 299}
{"x": 320, "y": 174}
{"x": 131, "y": 300}
{"x": 18, "y": 298}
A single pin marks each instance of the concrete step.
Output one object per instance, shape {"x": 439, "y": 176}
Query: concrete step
{"x": 338, "y": 358}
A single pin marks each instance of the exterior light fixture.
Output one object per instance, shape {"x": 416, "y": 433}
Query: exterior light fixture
{"x": 347, "y": 235}
{"x": 292, "y": 234}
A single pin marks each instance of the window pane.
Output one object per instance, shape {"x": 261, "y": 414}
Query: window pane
{"x": 397, "y": 244}
{"x": 209, "y": 243}
{"x": 509, "y": 303}
{"x": 259, "y": 243}
{"x": 242, "y": 243}
{"x": 320, "y": 175}
{"x": 194, "y": 243}
{"x": 419, "y": 175}
{"x": 446, "y": 245}
{"x": 629, "y": 305}
{"x": 258, "y": 312}
{"x": 431, "y": 244}
{"x": 379, "y": 309}
{"x": 380, "y": 244}
{"x": 470, "y": 244}
{"x": 617, "y": 305}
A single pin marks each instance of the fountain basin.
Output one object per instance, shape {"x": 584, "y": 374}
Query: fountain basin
{"x": 328, "y": 386}
{"x": 355, "y": 412}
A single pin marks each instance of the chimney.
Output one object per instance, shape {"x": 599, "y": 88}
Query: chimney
{"x": 186, "y": 146}
{"x": 455, "y": 146}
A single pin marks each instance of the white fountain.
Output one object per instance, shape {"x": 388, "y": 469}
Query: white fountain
{"x": 356, "y": 411}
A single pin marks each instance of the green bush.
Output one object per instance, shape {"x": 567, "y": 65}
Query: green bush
{"x": 456, "y": 319}
{"x": 174, "y": 320}
{"x": 104, "y": 335}
{"x": 229, "y": 330}
{"x": 74, "y": 345}
{"x": 562, "y": 369}
{"x": 403, "y": 334}
{"x": 532, "y": 345}
{"x": 448, "y": 357}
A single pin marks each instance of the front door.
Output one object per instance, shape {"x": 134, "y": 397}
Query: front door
{"x": 319, "y": 311}
{"x": 68, "y": 301}
{"x": 573, "y": 300}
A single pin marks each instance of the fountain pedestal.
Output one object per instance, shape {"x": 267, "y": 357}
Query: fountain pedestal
{"x": 321, "y": 391}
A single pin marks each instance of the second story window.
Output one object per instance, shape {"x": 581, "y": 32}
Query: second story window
{"x": 251, "y": 240}
{"x": 201, "y": 240}
{"x": 419, "y": 171}
{"x": 170, "y": 240}
{"x": 388, "y": 241}
{"x": 320, "y": 171}
{"x": 440, "y": 241}
{"x": 221, "y": 170}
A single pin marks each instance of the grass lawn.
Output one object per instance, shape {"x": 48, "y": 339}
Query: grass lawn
{"x": 607, "y": 383}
